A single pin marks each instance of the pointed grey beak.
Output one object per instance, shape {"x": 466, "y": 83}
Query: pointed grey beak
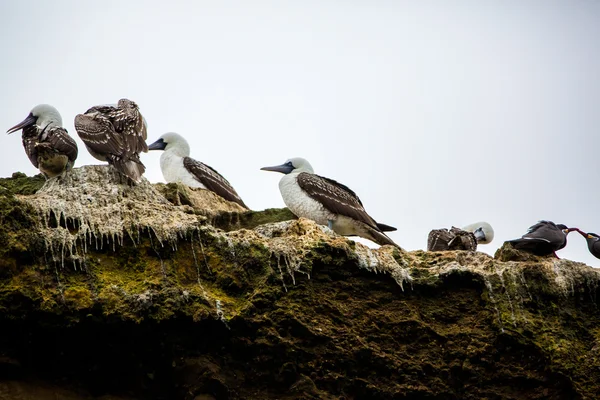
{"x": 158, "y": 145}
{"x": 283, "y": 168}
{"x": 30, "y": 120}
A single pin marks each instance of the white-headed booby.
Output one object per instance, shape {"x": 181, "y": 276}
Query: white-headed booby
{"x": 47, "y": 144}
{"x": 177, "y": 166}
{"x": 115, "y": 134}
{"x": 484, "y": 233}
{"x": 466, "y": 238}
{"x": 327, "y": 202}
{"x": 543, "y": 238}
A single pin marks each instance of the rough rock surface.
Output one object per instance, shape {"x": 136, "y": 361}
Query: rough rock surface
{"x": 109, "y": 291}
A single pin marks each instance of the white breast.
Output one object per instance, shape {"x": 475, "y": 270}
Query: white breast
{"x": 300, "y": 203}
{"x": 174, "y": 171}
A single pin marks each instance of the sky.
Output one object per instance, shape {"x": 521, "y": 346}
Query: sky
{"x": 435, "y": 113}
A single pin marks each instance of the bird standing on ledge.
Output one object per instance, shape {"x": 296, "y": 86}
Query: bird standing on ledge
{"x": 47, "y": 144}
{"x": 177, "y": 166}
{"x": 327, "y": 202}
{"x": 543, "y": 238}
{"x": 116, "y": 135}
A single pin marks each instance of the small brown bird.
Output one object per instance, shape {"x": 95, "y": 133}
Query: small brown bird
{"x": 47, "y": 144}
{"x": 116, "y": 135}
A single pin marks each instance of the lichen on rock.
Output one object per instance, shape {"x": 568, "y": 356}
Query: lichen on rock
{"x": 184, "y": 299}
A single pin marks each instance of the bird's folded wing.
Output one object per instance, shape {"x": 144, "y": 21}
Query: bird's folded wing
{"x": 335, "y": 197}
{"x": 99, "y": 135}
{"x": 59, "y": 139}
{"x": 212, "y": 180}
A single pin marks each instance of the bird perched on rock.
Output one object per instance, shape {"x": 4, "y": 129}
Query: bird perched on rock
{"x": 327, "y": 202}
{"x": 47, "y": 144}
{"x": 116, "y": 135}
{"x": 593, "y": 242}
{"x": 543, "y": 238}
{"x": 177, "y": 166}
{"x": 466, "y": 238}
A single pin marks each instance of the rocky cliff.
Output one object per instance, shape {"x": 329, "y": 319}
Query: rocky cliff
{"x": 110, "y": 291}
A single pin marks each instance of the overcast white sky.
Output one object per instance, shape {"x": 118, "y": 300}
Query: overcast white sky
{"x": 436, "y": 113}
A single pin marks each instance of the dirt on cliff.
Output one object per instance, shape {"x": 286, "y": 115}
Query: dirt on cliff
{"x": 259, "y": 305}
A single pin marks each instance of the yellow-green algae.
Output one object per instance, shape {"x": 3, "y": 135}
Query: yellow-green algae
{"x": 289, "y": 310}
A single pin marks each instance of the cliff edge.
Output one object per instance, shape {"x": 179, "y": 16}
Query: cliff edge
{"x": 110, "y": 291}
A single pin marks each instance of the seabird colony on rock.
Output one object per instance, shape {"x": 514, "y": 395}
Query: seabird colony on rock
{"x": 543, "y": 238}
{"x": 177, "y": 166}
{"x": 116, "y": 135}
{"x": 47, "y": 144}
{"x": 327, "y": 202}
{"x": 466, "y": 238}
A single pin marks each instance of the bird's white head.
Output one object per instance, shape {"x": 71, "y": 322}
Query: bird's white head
{"x": 172, "y": 142}
{"x": 42, "y": 115}
{"x": 295, "y": 165}
{"x": 482, "y": 230}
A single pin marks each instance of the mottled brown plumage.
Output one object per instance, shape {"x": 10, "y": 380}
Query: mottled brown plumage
{"x": 335, "y": 197}
{"x": 212, "y": 180}
{"x": 453, "y": 239}
{"x": 47, "y": 144}
{"x": 116, "y": 135}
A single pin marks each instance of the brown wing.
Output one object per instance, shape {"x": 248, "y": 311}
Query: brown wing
{"x": 335, "y": 197}
{"x": 98, "y": 134}
{"x": 212, "y": 180}
{"x": 30, "y": 139}
{"x": 438, "y": 240}
{"x": 60, "y": 141}
{"x": 128, "y": 121}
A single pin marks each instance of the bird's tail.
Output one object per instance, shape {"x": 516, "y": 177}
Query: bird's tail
{"x": 378, "y": 237}
{"x": 535, "y": 246}
{"x": 385, "y": 228}
{"x": 133, "y": 169}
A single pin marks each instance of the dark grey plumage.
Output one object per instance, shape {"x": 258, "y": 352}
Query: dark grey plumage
{"x": 47, "y": 144}
{"x": 542, "y": 239}
{"x": 212, "y": 180}
{"x": 116, "y": 135}
{"x": 453, "y": 239}
{"x": 593, "y": 242}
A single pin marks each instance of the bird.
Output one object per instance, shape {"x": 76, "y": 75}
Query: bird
{"x": 177, "y": 166}
{"x": 593, "y": 241}
{"x": 484, "y": 233}
{"x": 327, "y": 202}
{"x": 47, "y": 144}
{"x": 543, "y": 238}
{"x": 466, "y": 238}
{"x": 116, "y": 134}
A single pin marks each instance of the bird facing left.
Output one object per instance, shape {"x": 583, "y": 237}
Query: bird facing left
{"x": 46, "y": 143}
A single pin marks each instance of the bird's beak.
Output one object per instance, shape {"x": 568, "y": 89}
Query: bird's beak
{"x": 158, "y": 145}
{"x": 30, "y": 120}
{"x": 479, "y": 235}
{"x": 283, "y": 168}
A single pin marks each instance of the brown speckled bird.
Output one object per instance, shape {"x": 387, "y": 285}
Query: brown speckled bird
{"x": 116, "y": 135}
{"x": 47, "y": 144}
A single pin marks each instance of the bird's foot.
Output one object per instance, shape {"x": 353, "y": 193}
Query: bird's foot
{"x": 555, "y": 255}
